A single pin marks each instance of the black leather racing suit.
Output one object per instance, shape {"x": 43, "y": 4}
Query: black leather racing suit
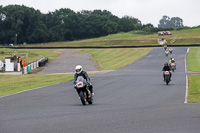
{"x": 86, "y": 77}
{"x": 167, "y": 68}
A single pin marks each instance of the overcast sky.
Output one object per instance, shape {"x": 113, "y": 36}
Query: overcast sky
{"x": 147, "y": 11}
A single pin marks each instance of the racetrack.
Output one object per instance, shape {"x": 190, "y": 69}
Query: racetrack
{"x": 67, "y": 61}
{"x": 130, "y": 100}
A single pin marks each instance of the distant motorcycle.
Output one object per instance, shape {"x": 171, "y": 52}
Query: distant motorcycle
{"x": 173, "y": 66}
{"x": 167, "y": 77}
{"x": 83, "y": 91}
{"x": 166, "y": 53}
{"x": 170, "y": 51}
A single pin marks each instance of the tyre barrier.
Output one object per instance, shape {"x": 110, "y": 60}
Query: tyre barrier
{"x": 34, "y": 65}
{"x": 43, "y": 61}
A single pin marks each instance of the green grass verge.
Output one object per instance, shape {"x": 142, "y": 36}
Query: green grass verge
{"x": 194, "y": 89}
{"x": 179, "y": 37}
{"x": 16, "y": 83}
{"x": 112, "y": 59}
{"x": 193, "y": 59}
{"x": 31, "y": 55}
{"x": 108, "y": 59}
{"x": 193, "y": 64}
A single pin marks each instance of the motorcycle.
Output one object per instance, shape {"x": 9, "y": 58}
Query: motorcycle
{"x": 170, "y": 51}
{"x": 166, "y": 53}
{"x": 173, "y": 66}
{"x": 167, "y": 77}
{"x": 83, "y": 91}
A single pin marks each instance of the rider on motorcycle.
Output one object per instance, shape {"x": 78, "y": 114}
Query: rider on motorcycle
{"x": 166, "y": 68}
{"x": 80, "y": 72}
{"x": 173, "y": 61}
{"x": 170, "y": 60}
{"x": 165, "y": 47}
{"x": 170, "y": 49}
{"x": 166, "y": 52}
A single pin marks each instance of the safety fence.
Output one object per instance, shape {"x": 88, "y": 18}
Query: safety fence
{"x": 35, "y": 65}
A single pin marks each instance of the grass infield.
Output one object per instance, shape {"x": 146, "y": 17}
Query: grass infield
{"x": 193, "y": 59}
{"x": 108, "y": 59}
{"x": 113, "y": 59}
{"x": 193, "y": 89}
{"x": 193, "y": 64}
{"x": 16, "y": 83}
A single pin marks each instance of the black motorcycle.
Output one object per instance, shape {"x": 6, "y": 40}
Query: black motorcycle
{"x": 167, "y": 77}
{"x": 83, "y": 91}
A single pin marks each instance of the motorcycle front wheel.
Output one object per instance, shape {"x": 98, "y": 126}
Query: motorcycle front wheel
{"x": 167, "y": 80}
{"x": 83, "y": 98}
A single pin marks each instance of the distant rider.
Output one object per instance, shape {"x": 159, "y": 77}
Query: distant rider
{"x": 80, "y": 72}
{"x": 166, "y": 68}
{"x": 173, "y": 61}
{"x": 170, "y": 60}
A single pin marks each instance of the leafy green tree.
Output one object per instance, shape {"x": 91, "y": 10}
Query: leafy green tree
{"x": 128, "y": 23}
{"x": 177, "y": 22}
{"x": 174, "y": 22}
{"x": 31, "y": 26}
{"x": 24, "y": 22}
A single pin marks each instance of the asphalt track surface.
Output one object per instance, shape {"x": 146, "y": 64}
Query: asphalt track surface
{"x": 130, "y": 100}
{"x": 67, "y": 61}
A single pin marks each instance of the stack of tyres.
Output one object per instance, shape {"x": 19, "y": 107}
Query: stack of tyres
{"x": 43, "y": 61}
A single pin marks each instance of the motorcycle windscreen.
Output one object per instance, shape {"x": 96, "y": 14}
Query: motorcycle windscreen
{"x": 81, "y": 79}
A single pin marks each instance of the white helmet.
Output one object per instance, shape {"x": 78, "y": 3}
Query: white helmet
{"x": 173, "y": 59}
{"x": 78, "y": 69}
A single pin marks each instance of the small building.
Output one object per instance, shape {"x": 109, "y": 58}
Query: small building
{"x": 12, "y": 64}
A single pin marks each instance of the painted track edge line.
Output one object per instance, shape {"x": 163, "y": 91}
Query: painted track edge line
{"x": 186, "y": 92}
{"x": 30, "y": 90}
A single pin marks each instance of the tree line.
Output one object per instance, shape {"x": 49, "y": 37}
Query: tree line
{"x": 21, "y": 24}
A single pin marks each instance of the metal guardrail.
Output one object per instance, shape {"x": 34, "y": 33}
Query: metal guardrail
{"x": 102, "y": 47}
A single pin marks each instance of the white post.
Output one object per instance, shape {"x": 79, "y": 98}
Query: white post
{"x": 35, "y": 65}
{"x": 31, "y": 66}
{"x": 25, "y": 70}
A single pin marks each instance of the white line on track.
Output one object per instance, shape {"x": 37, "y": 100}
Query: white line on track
{"x": 186, "y": 92}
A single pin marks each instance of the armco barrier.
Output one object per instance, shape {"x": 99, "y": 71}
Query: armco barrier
{"x": 97, "y": 47}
